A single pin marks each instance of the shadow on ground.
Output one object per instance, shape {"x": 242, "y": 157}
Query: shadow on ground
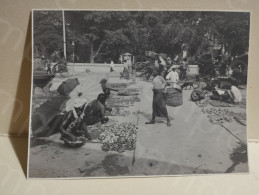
{"x": 238, "y": 155}
{"x": 21, "y": 110}
{"x": 149, "y": 116}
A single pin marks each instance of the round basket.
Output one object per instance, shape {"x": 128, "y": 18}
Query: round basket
{"x": 74, "y": 144}
{"x": 174, "y": 97}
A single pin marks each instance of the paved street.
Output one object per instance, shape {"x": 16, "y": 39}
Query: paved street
{"x": 191, "y": 145}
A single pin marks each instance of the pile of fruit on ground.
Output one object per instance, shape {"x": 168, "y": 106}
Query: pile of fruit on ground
{"x": 122, "y": 101}
{"x": 217, "y": 116}
{"x": 117, "y": 111}
{"x": 202, "y": 103}
{"x": 128, "y": 92}
{"x": 118, "y": 85}
{"x": 214, "y": 103}
{"x": 220, "y": 104}
{"x": 119, "y": 137}
{"x": 240, "y": 118}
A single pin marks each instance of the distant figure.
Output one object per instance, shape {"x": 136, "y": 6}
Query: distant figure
{"x": 169, "y": 61}
{"x": 49, "y": 68}
{"x": 157, "y": 62}
{"x": 173, "y": 76}
{"x": 125, "y": 74}
{"x": 162, "y": 64}
{"x": 112, "y": 66}
{"x": 184, "y": 67}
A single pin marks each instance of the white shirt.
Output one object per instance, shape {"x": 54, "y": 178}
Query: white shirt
{"x": 235, "y": 94}
{"x": 112, "y": 64}
{"x": 172, "y": 76}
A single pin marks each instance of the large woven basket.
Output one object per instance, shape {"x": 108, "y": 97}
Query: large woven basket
{"x": 174, "y": 97}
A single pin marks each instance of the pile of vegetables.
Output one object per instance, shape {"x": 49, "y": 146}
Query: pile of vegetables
{"x": 220, "y": 104}
{"x": 117, "y": 111}
{"x": 119, "y": 137}
{"x": 217, "y": 116}
{"x": 202, "y": 103}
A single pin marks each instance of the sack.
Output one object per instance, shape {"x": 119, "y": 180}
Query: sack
{"x": 195, "y": 97}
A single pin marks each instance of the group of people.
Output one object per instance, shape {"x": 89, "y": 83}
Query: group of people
{"x": 171, "y": 71}
{"x": 164, "y": 76}
{"x": 230, "y": 93}
{"x": 71, "y": 122}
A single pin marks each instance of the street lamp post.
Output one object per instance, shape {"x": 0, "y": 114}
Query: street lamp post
{"x": 73, "y": 46}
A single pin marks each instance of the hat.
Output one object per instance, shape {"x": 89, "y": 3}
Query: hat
{"x": 174, "y": 66}
{"x": 79, "y": 102}
{"x": 103, "y": 81}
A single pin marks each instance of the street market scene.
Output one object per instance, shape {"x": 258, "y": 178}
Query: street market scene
{"x": 138, "y": 93}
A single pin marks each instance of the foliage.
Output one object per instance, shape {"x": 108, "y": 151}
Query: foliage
{"x": 100, "y": 35}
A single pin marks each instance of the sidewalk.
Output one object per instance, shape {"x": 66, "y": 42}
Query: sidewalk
{"x": 191, "y": 145}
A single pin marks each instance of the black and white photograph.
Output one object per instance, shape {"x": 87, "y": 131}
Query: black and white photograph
{"x": 129, "y": 93}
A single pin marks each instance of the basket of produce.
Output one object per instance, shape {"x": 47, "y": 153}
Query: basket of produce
{"x": 78, "y": 142}
{"x": 174, "y": 97}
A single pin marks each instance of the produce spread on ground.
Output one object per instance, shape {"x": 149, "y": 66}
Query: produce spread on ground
{"x": 116, "y": 135}
{"x": 218, "y": 115}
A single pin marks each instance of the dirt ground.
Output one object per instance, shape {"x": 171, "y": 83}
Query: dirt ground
{"x": 192, "y": 145}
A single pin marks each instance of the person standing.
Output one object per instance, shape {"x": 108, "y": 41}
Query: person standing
{"x": 157, "y": 62}
{"x": 184, "y": 69}
{"x": 159, "y": 105}
{"x": 112, "y": 66}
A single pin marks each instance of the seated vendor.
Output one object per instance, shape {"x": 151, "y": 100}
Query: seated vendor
{"x": 230, "y": 95}
{"x": 95, "y": 111}
{"x": 234, "y": 93}
{"x": 72, "y": 128}
{"x": 199, "y": 92}
{"x": 106, "y": 87}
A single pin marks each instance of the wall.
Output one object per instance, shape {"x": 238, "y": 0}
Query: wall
{"x": 82, "y": 67}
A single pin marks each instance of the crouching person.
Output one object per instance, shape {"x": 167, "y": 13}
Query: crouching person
{"x": 73, "y": 129}
{"x": 199, "y": 93}
{"x": 95, "y": 111}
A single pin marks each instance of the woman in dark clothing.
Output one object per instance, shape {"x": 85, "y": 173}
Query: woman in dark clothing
{"x": 95, "y": 111}
{"x": 73, "y": 128}
{"x": 159, "y": 105}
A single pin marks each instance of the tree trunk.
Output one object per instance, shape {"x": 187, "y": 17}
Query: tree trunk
{"x": 92, "y": 56}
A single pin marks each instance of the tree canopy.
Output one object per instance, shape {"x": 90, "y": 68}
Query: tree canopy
{"x": 111, "y": 33}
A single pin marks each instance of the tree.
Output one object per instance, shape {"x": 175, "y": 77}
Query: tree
{"x": 47, "y": 32}
{"x": 111, "y": 33}
{"x": 96, "y": 28}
